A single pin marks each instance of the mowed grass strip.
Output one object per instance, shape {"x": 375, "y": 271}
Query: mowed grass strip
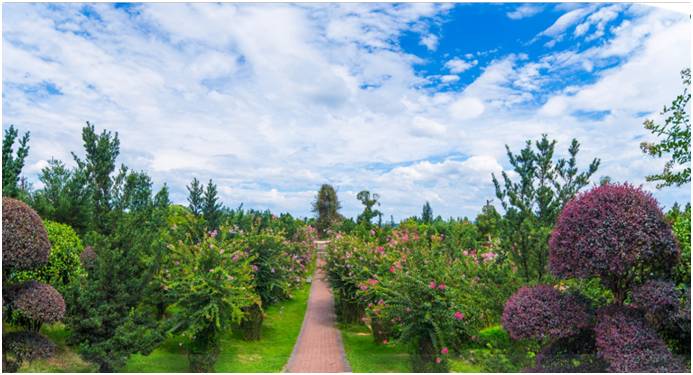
{"x": 279, "y": 332}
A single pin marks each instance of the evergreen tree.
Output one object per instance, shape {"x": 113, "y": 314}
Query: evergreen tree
{"x": 65, "y": 196}
{"x": 368, "y": 201}
{"x": 101, "y": 152}
{"x": 427, "y": 213}
{"x": 488, "y": 221}
{"x": 211, "y": 207}
{"x": 326, "y": 206}
{"x": 12, "y": 165}
{"x": 195, "y": 197}
{"x": 676, "y": 132}
{"x": 533, "y": 203}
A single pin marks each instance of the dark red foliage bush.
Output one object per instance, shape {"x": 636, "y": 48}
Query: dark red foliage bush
{"x": 25, "y": 242}
{"x": 27, "y": 345}
{"x": 569, "y": 355}
{"x": 40, "y": 302}
{"x": 625, "y": 340}
{"x": 659, "y": 300}
{"x": 542, "y": 312}
{"x": 88, "y": 256}
{"x": 610, "y": 231}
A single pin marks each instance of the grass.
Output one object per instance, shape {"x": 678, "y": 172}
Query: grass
{"x": 364, "y": 355}
{"x": 279, "y": 332}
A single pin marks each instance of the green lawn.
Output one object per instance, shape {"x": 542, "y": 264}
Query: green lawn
{"x": 280, "y": 330}
{"x": 65, "y": 359}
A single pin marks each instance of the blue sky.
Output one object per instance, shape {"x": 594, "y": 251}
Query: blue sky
{"x": 412, "y": 101}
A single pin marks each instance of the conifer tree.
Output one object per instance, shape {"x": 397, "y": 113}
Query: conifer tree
{"x": 427, "y": 213}
{"x": 12, "y": 165}
{"x": 195, "y": 197}
{"x": 211, "y": 207}
{"x": 326, "y": 206}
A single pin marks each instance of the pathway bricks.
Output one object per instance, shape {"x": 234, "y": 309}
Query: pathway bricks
{"x": 319, "y": 346}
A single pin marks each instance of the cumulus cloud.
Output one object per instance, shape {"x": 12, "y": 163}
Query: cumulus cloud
{"x": 524, "y": 11}
{"x": 458, "y": 65}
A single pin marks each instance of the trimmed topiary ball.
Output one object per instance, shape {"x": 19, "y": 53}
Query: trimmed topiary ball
{"x": 629, "y": 344}
{"x": 25, "y": 242}
{"x": 39, "y": 302}
{"x": 609, "y": 231}
{"x": 24, "y": 346}
{"x": 659, "y": 300}
{"x": 570, "y": 355}
{"x": 88, "y": 256}
{"x": 543, "y": 312}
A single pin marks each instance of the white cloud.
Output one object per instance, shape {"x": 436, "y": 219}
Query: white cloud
{"x": 430, "y": 41}
{"x": 524, "y": 11}
{"x": 458, "y": 65}
{"x": 467, "y": 108}
{"x": 450, "y": 78}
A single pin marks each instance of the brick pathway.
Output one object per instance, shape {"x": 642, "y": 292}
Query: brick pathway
{"x": 319, "y": 346}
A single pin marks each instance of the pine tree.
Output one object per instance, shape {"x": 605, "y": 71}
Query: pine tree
{"x": 211, "y": 207}
{"x": 427, "y": 213}
{"x": 533, "y": 203}
{"x": 368, "y": 201}
{"x": 12, "y": 165}
{"x": 195, "y": 197}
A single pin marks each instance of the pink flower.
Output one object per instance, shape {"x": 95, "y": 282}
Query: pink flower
{"x": 372, "y": 281}
{"x": 465, "y": 253}
{"x": 372, "y": 232}
{"x": 363, "y": 287}
{"x": 380, "y": 249}
{"x": 213, "y": 233}
{"x": 441, "y": 286}
{"x": 444, "y": 351}
{"x": 255, "y": 268}
{"x": 392, "y": 269}
{"x": 432, "y": 285}
{"x": 381, "y": 302}
{"x": 385, "y": 341}
{"x": 459, "y": 315}
{"x": 438, "y": 360}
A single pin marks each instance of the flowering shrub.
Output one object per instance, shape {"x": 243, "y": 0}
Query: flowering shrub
{"x": 611, "y": 231}
{"x": 25, "y": 242}
{"x": 211, "y": 282}
{"x": 629, "y": 344}
{"x": 543, "y": 312}
{"x": 24, "y": 346}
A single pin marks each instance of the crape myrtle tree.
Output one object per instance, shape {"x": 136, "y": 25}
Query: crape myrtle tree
{"x": 326, "y": 208}
{"x": 12, "y": 164}
{"x": 25, "y": 246}
{"x": 675, "y": 139}
{"x": 618, "y": 234}
{"x": 533, "y": 202}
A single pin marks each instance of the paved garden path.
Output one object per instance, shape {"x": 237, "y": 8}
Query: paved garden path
{"x": 319, "y": 346}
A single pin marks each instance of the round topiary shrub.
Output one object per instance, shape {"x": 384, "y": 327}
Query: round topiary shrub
{"x": 629, "y": 344}
{"x": 659, "y": 300}
{"x": 24, "y": 346}
{"x": 544, "y": 312}
{"x": 611, "y": 231}
{"x": 25, "y": 242}
{"x": 88, "y": 257}
{"x": 40, "y": 302}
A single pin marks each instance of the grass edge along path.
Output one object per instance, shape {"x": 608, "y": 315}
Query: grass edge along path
{"x": 279, "y": 332}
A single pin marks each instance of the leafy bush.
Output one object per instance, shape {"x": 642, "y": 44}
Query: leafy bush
{"x": 543, "y": 312}
{"x": 659, "y": 300}
{"x": 629, "y": 344}
{"x": 39, "y": 302}
{"x": 87, "y": 257}
{"x": 211, "y": 282}
{"x": 24, "y": 346}
{"x": 64, "y": 260}
{"x": 25, "y": 242}
{"x": 611, "y": 231}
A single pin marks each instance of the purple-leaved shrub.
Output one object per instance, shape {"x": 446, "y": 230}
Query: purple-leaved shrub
{"x": 39, "y": 302}
{"x": 25, "y": 242}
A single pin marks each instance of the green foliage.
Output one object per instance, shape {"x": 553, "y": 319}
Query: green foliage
{"x": 427, "y": 213}
{"x": 488, "y": 222}
{"x": 681, "y": 225}
{"x": 675, "y": 139}
{"x": 533, "y": 203}
{"x": 65, "y": 196}
{"x": 195, "y": 197}
{"x": 326, "y": 206}
{"x": 211, "y": 208}
{"x": 210, "y": 282}
{"x": 101, "y": 151}
{"x": 64, "y": 264}
{"x": 369, "y": 201}
{"x": 108, "y": 310}
{"x": 12, "y": 165}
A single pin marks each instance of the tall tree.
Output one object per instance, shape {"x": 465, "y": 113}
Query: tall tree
{"x": 101, "y": 152}
{"x": 195, "y": 196}
{"x": 65, "y": 196}
{"x": 533, "y": 203}
{"x": 369, "y": 201}
{"x": 676, "y": 139}
{"x": 326, "y": 206}
{"x": 211, "y": 207}
{"x": 427, "y": 213}
{"x": 488, "y": 221}
{"x": 12, "y": 165}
